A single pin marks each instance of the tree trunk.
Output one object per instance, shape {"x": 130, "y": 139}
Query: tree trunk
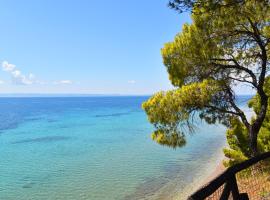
{"x": 257, "y": 124}
{"x": 253, "y": 135}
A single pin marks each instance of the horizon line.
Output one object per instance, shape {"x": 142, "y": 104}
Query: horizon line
{"x": 66, "y": 94}
{"x": 79, "y": 94}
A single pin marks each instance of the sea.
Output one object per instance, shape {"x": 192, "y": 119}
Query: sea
{"x": 97, "y": 148}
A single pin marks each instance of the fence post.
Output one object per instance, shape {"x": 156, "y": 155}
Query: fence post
{"x": 234, "y": 188}
{"x": 244, "y": 196}
{"x": 226, "y": 192}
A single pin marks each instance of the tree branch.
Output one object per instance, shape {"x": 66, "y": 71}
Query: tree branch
{"x": 236, "y": 66}
{"x": 263, "y": 58}
{"x": 241, "y": 114}
{"x": 239, "y": 80}
{"x": 222, "y": 110}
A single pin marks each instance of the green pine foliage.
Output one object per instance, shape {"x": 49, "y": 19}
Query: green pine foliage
{"x": 237, "y": 135}
{"x": 226, "y": 44}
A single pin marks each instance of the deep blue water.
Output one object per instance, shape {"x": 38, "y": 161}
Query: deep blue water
{"x": 96, "y": 148}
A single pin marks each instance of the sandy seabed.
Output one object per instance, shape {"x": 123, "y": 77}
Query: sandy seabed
{"x": 174, "y": 189}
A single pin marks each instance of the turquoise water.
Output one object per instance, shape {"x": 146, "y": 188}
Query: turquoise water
{"x": 96, "y": 148}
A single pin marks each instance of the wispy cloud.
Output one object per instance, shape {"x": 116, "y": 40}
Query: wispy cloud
{"x": 131, "y": 81}
{"x": 7, "y": 66}
{"x": 63, "y": 82}
{"x": 21, "y": 79}
{"x": 17, "y": 76}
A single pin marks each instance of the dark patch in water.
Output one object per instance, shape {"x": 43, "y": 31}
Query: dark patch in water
{"x": 61, "y": 170}
{"x": 113, "y": 115}
{"x": 6, "y": 126}
{"x": 51, "y": 120}
{"x": 152, "y": 188}
{"x": 172, "y": 168}
{"x": 47, "y": 139}
{"x": 64, "y": 126}
{"x": 28, "y": 185}
{"x": 147, "y": 189}
{"x": 33, "y": 118}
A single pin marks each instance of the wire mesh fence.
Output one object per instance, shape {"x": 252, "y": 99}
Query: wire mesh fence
{"x": 255, "y": 181}
{"x": 217, "y": 194}
{"x": 247, "y": 180}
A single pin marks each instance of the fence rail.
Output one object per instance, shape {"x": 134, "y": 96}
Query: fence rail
{"x": 235, "y": 178}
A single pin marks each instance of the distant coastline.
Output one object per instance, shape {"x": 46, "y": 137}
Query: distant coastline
{"x": 82, "y": 95}
{"x": 70, "y": 95}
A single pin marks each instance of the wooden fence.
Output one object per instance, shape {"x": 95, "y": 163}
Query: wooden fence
{"x": 247, "y": 180}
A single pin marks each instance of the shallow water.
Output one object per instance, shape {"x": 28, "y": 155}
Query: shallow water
{"x": 96, "y": 148}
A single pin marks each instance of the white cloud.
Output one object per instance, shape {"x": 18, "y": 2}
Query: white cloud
{"x": 31, "y": 76}
{"x": 7, "y": 66}
{"x": 17, "y": 76}
{"x": 21, "y": 79}
{"x": 2, "y": 82}
{"x": 16, "y": 73}
{"x": 41, "y": 82}
{"x": 63, "y": 82}
{"x": 131, "y": 81}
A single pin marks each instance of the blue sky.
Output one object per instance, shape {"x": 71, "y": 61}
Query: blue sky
{"x": 85, "y": 46}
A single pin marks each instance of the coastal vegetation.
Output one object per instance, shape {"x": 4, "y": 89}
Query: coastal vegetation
{"x": 226, "y": 45}
{"x": 237, "y": 134}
